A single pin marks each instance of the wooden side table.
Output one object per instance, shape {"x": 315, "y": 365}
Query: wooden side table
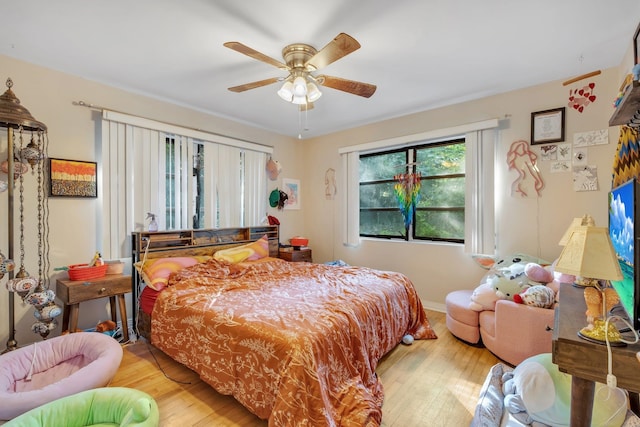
{"x": 296, "y": 255}
{"x": 587, "y": 361}
{"x": 72, "y": 293}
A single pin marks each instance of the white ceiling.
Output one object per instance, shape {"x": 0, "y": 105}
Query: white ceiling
{"x": 421, "y": 54}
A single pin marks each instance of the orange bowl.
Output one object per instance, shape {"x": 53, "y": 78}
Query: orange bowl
{"x": 298, "y": 241}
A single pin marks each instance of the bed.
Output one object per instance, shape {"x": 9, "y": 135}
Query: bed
{"x": 295, "y": 343}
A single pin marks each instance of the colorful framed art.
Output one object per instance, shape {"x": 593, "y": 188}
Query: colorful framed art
{"x": 73, "y": 178}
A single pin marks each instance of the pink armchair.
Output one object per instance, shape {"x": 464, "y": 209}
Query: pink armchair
{"x": 514, "y": 332}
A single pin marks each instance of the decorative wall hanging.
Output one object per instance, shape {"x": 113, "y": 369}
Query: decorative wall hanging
{"x": 273, "y": 169}
{"x": 579, "y": 98}
{"x": 330, "y": 188}
{"x": 547, "y": 126}
{"x": 73, "y": 178}
{"x": 524, "y": 161}
{"x": 407, "y": 190}
{"x": 35, "y": 291}
{"x": 292, "y": 188}
{"x": 626, "y": 163}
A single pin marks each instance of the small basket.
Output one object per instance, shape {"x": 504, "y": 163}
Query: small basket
{"x": 84, "y": 272}
{"x": 114, "y": 267}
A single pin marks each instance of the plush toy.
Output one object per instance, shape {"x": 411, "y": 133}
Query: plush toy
{"x": 508, "y": 289}
{"x": 483, "y": 298}
{"x": 537, "y": 392}
{"x": 537, "y": 296}
{"x": 505, "y": 279}
{"x": 107, "y": 325}
{"x": 546, "y": 275}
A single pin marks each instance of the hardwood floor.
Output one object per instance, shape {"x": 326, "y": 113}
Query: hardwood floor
{"x": 429, "y": 383}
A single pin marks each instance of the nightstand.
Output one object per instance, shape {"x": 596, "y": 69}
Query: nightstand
{"x": 295, "y": 255}
{"x": 72, "y": 293}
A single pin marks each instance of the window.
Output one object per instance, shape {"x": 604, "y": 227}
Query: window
{"x": 440, "y": 211}
{"x": 187, "y": 178}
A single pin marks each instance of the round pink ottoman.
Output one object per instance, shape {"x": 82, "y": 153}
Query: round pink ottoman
{"x": 462, "y": 322}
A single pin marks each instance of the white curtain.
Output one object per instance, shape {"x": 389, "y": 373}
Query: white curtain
{"x": 134, "y": 181}
{"x": 479, "y": 208}
{"x": 351, "y": 198}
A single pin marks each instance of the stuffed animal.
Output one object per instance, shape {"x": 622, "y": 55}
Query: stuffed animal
{"x": 508, "y": 289}
{"x": 537, "y": 393}
{"x": 504, "y": 280}
{"x": 107, "y": 325}
{"x": 483, "y": 298}
{"x": 537, "y": 296}
{"x": 546, "y": 275}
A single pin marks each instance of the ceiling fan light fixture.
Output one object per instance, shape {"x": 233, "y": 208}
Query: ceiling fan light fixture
{"x": 299, "y": 86}
{"x": 286, "y": 91}
{"x": 313, "y": 93}
{"x": 299, "y": 100}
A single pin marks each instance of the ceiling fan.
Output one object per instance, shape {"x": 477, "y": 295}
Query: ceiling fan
{"x": 301, "y": 61}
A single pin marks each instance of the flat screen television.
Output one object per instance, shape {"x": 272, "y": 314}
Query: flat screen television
{"x": 624, "y": 228}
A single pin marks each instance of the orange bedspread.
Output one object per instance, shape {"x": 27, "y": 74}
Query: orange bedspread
{"x": 295, "y": 343}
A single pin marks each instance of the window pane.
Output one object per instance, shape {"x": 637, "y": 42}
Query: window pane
{"x": 383, "y": 166}
{"x": 442, "y": 192}
{"x": 378, "y": 196}
{"x": 448, "y": 225}
{"x": 381, "y": 223}
{"x": 441, "y": 160}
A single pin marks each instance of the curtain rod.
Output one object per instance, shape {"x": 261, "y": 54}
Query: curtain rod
{"x": 103, "y": 109}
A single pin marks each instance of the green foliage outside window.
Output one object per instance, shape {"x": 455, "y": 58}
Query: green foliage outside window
{"x": 440, "y": 208}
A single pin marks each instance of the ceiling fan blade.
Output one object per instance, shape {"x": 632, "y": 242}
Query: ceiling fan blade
{"x": 350, "y": 86}
{"x": 254, "y": 85}
{"x": 246, "y": 50}
{"x": 337, "y": 48}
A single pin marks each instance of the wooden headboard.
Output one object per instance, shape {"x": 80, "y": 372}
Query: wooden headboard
{"x": 174, "y": 243}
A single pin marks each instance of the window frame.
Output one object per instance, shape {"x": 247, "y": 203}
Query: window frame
{"x": 411, "y": 155}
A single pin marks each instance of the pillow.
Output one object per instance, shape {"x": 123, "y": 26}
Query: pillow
{"x": 540, "y": 392}
{"x": 156, "y": 272}
{"x": 249, "y": 252}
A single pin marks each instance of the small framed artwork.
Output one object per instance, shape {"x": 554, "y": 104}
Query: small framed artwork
{"x": 292, "y": 188}
{"x": 636, "y": 47}
{"x": 547, "y": 126}
{"x": 73, "y": 178}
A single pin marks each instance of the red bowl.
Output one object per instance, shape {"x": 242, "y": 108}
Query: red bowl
{"x": 298, "y": 241}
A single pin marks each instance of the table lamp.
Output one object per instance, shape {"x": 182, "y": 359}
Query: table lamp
{"x": 589, "y": 253}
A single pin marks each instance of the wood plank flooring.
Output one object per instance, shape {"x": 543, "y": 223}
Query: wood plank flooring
{"x": 429, "y": 383}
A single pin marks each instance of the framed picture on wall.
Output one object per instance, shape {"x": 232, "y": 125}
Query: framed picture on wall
{"x": 547, "y": 126}
{"x": 292, "y": 188}
{"x": 73, "y": 178}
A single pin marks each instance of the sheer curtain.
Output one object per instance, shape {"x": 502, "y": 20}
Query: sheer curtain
{"x": 147, "y": 166}
{"x": 481, "y": 139}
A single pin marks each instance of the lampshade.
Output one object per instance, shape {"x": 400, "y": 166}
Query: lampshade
{"x": 299, "y": 86}
{"x": 286, "y": 91}
{"x": 313, "y": 93}
{"x": 589, "y": 253}
{"x": 300, "y": 90}
{"x": 575, "y": 223}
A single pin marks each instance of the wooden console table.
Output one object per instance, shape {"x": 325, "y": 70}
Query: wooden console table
{"x": 587, "y": 361}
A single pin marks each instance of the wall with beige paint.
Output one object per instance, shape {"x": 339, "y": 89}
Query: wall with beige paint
{"x": 74, "y": 133}
{"x": 531, "y": 225}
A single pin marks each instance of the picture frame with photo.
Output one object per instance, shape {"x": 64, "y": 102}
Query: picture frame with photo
{"x": 547, "y": 126}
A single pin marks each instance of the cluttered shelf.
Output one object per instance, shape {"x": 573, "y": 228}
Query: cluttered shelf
{"x": 628, "y": 108}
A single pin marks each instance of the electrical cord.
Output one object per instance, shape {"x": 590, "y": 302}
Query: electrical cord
{"x": 611, "y": 379}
